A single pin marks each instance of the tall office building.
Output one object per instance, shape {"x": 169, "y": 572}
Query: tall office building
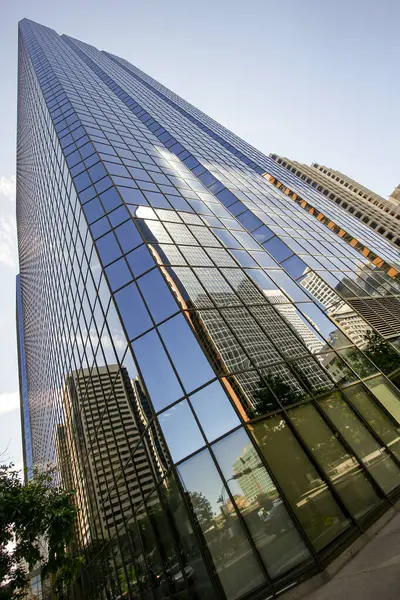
{"x": 177, "y": 306}
{"x": 378, "y": 213}
{"x": 23, "y": 389}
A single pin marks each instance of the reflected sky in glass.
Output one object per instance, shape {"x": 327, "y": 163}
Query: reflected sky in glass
{"x": 181, "y": 431}
{"x": 214, "y": 411}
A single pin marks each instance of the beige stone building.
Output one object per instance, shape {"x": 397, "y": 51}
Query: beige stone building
{"x": 382, "y": 215}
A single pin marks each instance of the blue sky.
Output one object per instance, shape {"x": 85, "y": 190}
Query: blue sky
{"x": 314, "y": 81}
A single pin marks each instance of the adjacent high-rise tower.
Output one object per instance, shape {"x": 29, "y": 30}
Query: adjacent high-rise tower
{"x": 201, "y": 346}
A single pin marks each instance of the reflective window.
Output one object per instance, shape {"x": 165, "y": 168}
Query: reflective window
{"x": 214, "y": 411}
{"x": 134, "y": 313}
{"x": 385, "y": 393}
{"x": 132, "y": 196}
{"x": 118, "y": 274}
{"x": 358, "y": 361}
{"x": 140, "y": 260}
{"x": 157, "y": 294}
{"x": 110, "y": 199}
{"x": 180, "y": 430}
{"x": 387, "y": 430}
{"x": 187, "y": 356}
{"x": 260, "y": 504}
{"x": 373, "y": 456}
{"x": 278, "y": 249}
{"x": 341, "y": 468}
{"x": 194, "y": 567}
{"x": 223, "y": 532}
{"x": 264, "y": 259}
{"x": 309, "y": 496}
{"x": 108, "y": 248}
{"x": 164, "y": 388}
{"x": 128, "y": 236}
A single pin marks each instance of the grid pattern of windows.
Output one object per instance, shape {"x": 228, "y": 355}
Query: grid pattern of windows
{"x": 180, "y": 316}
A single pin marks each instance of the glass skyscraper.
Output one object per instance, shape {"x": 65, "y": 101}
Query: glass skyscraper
{"x": 194, "y": 339}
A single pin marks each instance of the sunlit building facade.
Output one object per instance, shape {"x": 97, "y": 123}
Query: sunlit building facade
{"x": 378, "y": 213}
{"x": 190, "y": 368}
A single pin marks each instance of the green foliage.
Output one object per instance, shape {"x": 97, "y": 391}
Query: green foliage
{"x": 381, "y": 352}
{"x": 36, "y": 529}
{"x": 272, "y": 387}
{"x": 202, "y": 509}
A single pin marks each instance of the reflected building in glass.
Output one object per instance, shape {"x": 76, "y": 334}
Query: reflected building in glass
{"x": 195, "y": 340}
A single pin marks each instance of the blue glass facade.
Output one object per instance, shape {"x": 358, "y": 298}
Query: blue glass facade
{"x": 23, "y": 388}
{"x": 196, "y": 343}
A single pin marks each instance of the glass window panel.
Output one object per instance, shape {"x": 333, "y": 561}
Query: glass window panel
{"x": 158, "y": 375}
{"x": 323, "y": 325}
{"x": 118, "y": 216}
{"x": 110, "y": 199}
{"x": 132, "y": 196}
{"x": 108, "y": 248}
{"x": 265, "y": 260}
{"x": 180, "y": 430}
{"x": 227, "y": 238}
{"x": 221, "y": 257}
{"x": 336, "y": 367}
{"x": 374, "y": 457}
{"x": 386, "y": 394}
{"x": 196, "y": 570}
{"x": 278, "y": 249}
{"x": 273, "y": 532}
{"x": 100, "y": 227}
{"x": 341, "y": 468}
{"x": 217, "y": 287}
{"x": 376, "y": 418}
{"x": 118, "y": 274}
{"x": 307, "y": 493}
{"x": 153, "y": 231}
{"x": 244, "y": 258}
{"x": 222, "y": 531}
{"x": 157, "y": 200}
{"x": 191, "y": 292}
{"x": 214, "y": 411}
{"x": 244, "y": 287}
{"x": 180, "y": 234}
{"x": 246, "y": 240}
{"x": 204, "y": 236}
{"x": 290, "y": 287}
{"x": 186, "y": 353}
{"x": 93, "y": 210}
{"x": 358, "y": 361}
{"x": 168, "y": 254}
{"x": 195, "y": 256}
{"x": 258, "y": 347}
{"x": 158, "y": 296}
{"x": 140, "y": 260}
{"x": 133, "y": 311}
{"x": 269, "y": 288}
{"x": 128, "y": 236}
{"x": 294, "y": 266}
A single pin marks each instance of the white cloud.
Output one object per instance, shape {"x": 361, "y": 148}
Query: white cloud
{"x": 8, "y": 240}
{"x": 9, "y": 401}
{"x": 7, "y": 187}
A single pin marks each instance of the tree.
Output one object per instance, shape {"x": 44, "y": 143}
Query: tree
{"x": 272, "y": 387}
{"x": 36, "y": 528}
{"x": 381, "y": 352}
{"x": 202, "y": 509}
